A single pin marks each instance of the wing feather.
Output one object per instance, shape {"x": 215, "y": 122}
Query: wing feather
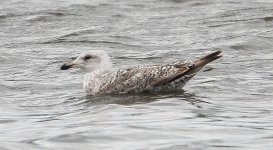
{"x": 137, "y": 79}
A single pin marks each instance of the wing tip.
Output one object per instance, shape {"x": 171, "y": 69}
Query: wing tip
{"x": 207, "y": 59}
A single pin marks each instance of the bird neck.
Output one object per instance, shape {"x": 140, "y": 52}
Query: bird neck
{"x": 103, "y": 67}
{"x": 100, "y": 69}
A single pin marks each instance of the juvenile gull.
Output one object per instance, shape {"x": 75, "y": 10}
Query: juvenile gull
{"x": 101, "y": 78}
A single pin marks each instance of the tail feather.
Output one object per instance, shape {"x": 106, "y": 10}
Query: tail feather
{"x": 198, "y": 65}
{"x": 207, "y": 59}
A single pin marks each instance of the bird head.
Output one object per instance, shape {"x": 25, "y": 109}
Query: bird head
{"x": 90, "y": 61}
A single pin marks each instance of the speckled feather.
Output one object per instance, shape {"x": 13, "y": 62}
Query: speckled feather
{"x": 139, "y": 79}
{"x": 101, "y": 78}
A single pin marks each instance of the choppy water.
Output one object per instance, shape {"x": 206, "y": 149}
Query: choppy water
{"x": 42, "y": 107}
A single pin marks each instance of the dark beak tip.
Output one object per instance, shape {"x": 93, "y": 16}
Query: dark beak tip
{"x": 65, "y": 67}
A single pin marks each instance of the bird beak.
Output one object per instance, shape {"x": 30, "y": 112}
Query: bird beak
{"x": 67, "y": 66}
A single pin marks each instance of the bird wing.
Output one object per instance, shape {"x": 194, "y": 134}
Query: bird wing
{"x": 138, "y": 79}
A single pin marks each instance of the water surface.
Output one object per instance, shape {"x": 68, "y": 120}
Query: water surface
{"x": 44, "y": 108}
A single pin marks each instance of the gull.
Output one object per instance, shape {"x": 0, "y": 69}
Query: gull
{"x": 102, "y": 78}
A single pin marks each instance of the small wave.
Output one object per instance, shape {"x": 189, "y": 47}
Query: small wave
{"x": 8, "y": 15}
{"x": 87, "y": 41}
{"x": 3, "y": 16}
{"x": 267, "y": 18}
{"x": 7, "y": 121}
{"x": 239, "y": 47}
{"x": 36, "y": 15}
{"x": 149, "y": 55}
{"x": 77, "y": 33}
{"x": 81, "y": 7}
{"x": 45, "y": 16}
{"x": 180, "y": 1}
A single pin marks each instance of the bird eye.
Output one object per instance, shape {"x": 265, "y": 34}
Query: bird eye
{"x": 87, "y": 57}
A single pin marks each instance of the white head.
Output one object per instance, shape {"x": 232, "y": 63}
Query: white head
{"x": 90, "y": 61}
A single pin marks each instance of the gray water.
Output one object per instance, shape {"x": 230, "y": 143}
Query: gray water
{"x": 42, "y": 107}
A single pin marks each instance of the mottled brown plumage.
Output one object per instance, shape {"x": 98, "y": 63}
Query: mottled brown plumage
{"x": 153, "y": 78}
